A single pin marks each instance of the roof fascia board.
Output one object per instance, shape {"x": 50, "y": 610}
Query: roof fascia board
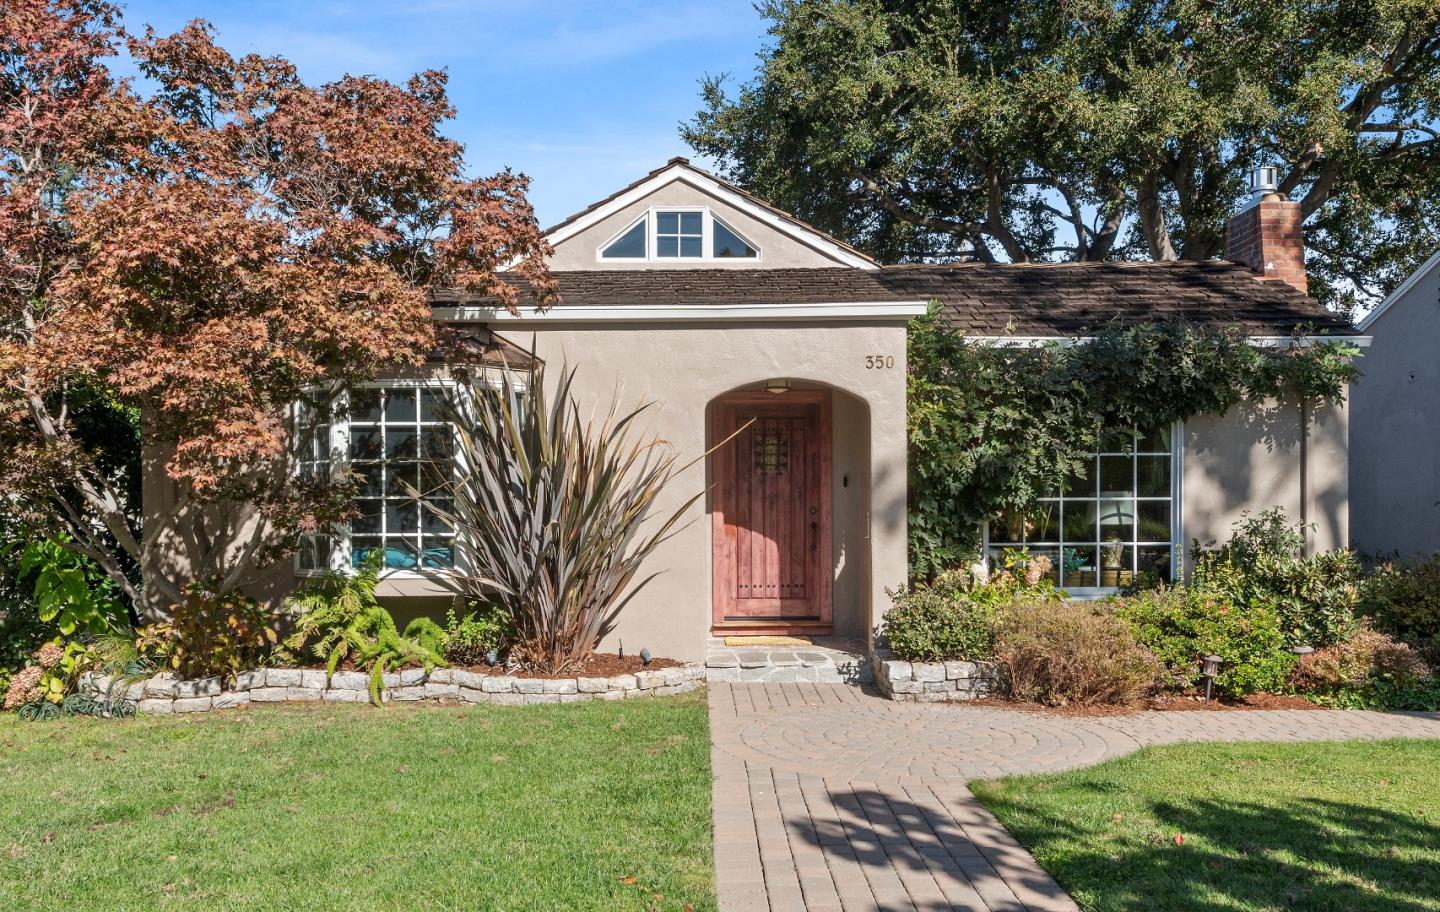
{"x": 1400, "y": 291}
{"x": 852, "y": 311}
{"x": 714, "y": 188}
{"x": 1257, "y": 341}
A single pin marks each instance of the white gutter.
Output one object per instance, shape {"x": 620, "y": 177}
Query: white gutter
{"x": 1257, "y": 341}
{"x": 856, "y": 312}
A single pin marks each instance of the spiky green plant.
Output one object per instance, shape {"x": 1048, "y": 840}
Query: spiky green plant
{"x": 340, "y": 617}
{"x": 552, "y": 513}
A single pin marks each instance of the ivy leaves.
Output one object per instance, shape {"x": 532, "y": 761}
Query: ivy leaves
{"x": 994, "y": 427}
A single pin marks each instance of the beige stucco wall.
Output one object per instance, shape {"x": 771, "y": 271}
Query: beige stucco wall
{"x": 1256, "y": 457}
{"x": 1395, "y": 455}
{"x": 682, "y": 368}
{"x": 777, "y": 249}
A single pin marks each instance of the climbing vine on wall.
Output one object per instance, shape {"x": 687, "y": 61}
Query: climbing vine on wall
{"x": 992, "y": 426}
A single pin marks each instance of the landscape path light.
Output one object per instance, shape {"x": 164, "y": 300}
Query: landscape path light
{"x": 1210, "y": 668}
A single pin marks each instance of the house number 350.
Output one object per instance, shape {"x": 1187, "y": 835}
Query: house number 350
{"x": 879, "y": 362}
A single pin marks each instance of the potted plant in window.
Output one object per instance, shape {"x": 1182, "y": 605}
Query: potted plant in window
{"x": 1076, "y": 574}
{"x": 1112, "y": 556}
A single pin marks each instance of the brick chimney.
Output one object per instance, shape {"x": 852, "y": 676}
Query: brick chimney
{"x": 1266, "y": 234}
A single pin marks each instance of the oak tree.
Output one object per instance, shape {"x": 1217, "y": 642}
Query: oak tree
{"x": 1035, "y": 130}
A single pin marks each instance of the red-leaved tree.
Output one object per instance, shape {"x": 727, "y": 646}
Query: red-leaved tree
{"x": 204, "y": 255}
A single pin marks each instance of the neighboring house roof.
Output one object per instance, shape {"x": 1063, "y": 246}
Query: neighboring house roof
{"x": 1055, "y": 300}
{"x": 1400, "y": 291}
{"x": 681, "y": 169}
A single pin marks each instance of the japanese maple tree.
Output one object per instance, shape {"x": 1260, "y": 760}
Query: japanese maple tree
{"x": 204, "y": 254}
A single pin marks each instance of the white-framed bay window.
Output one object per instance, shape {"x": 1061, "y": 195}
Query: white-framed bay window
{"x": 1117, "y": 517}
{"x": 394, "y": 437}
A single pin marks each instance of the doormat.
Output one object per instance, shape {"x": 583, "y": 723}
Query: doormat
{"x": 767, "y": 641}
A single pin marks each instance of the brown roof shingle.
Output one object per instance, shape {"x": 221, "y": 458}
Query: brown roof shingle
{"x": 982, "y": 299}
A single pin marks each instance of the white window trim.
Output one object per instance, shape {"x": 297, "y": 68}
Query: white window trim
{"x": 341, "y": 553}
{"x": 1177, "y": 525}
{"x": 707, "y": 238}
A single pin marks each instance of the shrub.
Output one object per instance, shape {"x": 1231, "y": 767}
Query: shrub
{"x": 70, "y": 590}
{"x": 1404, "y": 601}
{"x": 1017, "y": 574}
{"x": 217, "y": 634}
{"x": 1315, "y": 598}
{"x": 469, "y": 641}
{"x": 1370, "y": 670}
{"x": 340, "y": 618}
{"x": 1071, "y": 653}
{"x": 553, "y": 514}
{"x": 940, "y": 621}
{"x": 1182, "y": 625}
{"x": 51, "y": 686}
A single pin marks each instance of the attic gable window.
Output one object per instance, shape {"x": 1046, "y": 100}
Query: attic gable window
{"x": 678, "y": 234}
{"x": 628, "y": 246}
{"x": 726, "y": 244}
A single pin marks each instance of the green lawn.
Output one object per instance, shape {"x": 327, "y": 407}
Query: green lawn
{"x": 355, "y": 808}
{"x": 1339, "y": 826}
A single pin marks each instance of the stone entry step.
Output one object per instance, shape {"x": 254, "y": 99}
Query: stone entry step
{"x": 827, "y": 660}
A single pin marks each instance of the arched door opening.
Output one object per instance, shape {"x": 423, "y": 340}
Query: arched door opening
{"x": 771, "y": 513}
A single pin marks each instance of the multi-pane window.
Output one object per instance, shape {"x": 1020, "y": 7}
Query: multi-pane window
{"x": 679, "y": 234}
{"x": 313, "y": 460}
{"x": 1112, "y": 519}
{"x": 402, "y": 451}
{"x": 397, "y": 443}
{"x": 669, "y": 234}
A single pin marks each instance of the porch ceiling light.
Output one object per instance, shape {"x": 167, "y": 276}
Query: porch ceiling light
{"x": 777, "y": 386}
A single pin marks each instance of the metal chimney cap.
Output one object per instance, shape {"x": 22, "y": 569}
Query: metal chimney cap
{"x": 1265, "y": 181}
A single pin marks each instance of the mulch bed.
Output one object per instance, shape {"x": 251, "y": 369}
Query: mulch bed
{"x": 599, "y": 665}
{"x": 1165, "y": 703}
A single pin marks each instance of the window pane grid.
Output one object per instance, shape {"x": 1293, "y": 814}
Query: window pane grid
{"x": 401, "y": 449}
{"x": 679, "y": 234}
{"x": 312, "y": 462}
{"x": 1111, "y": 520}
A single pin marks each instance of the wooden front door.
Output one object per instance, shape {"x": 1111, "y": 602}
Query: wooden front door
{"x": 771, "y": 519}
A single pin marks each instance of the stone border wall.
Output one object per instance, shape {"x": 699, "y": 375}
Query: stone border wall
{"x": 935, "y": 682}
{"x": 163, "y": 694}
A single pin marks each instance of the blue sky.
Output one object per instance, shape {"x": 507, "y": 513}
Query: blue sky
{"x": 582, "y": 96}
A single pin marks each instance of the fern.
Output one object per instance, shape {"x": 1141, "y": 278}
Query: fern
{"x": 340, "y": 617}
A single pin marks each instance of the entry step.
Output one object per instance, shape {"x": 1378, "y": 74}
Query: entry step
{"x": 826, "y": 660}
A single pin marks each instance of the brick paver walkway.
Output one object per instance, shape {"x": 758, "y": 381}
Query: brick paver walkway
{"x": 830, "y": 799}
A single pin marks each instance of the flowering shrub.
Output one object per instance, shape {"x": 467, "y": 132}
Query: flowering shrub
{"x": 24, "y": 687}
{"x": 37, "y": 682}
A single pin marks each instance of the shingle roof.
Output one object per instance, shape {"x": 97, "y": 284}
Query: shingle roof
{"x": 981, "y": 299}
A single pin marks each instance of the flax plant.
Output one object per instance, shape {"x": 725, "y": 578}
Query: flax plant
{"x": 552, "y": 513}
